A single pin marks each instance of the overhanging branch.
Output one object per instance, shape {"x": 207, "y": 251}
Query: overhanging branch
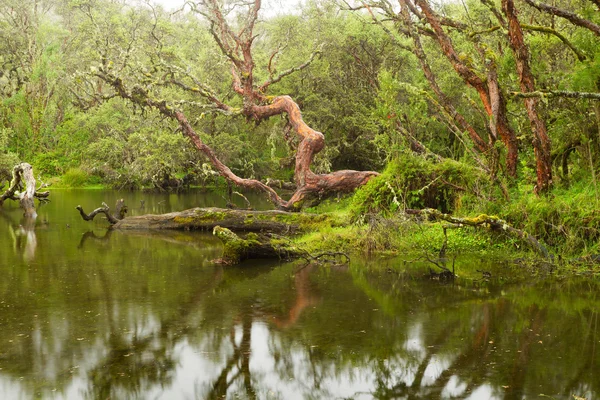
{"x": 557, "y": 93}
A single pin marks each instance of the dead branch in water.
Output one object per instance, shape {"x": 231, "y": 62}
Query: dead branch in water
{"x": 120, "y": 208}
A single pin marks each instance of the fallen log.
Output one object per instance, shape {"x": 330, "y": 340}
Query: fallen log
{"x": 235, "y": 220}
{"x": 253, "y": 246}
{"x": 485, "y": 221}
{"x": 237, "y": 249}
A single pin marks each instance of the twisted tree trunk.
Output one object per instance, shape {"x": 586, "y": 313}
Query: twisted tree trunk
{"x": 236, "y": 44}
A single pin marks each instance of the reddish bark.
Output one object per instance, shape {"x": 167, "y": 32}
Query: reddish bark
{"x": 481, "y": 145}
{"x": 309, "y": 184}
{"x": 494, "y": 107}
{"x": 541, "y": 141}
{"x": 237, "y": 46}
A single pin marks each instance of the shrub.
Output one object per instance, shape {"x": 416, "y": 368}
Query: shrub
{"x": 75, "y": 177}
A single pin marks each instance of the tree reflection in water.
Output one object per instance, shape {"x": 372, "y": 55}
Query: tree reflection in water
{"x": 23, "y": 235}
{"x": 166, "y": 325}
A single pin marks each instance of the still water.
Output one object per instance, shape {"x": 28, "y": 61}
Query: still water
{"x": 87, "y": 313}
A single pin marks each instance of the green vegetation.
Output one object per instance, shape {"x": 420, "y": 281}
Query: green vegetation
{"x": 391, "y": 91}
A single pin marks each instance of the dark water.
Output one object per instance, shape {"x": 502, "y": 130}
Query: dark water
{"x": 86, "y": 314}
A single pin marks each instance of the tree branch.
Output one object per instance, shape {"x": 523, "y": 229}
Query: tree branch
{"x": 568, "y": 15}
{"x": 491, "y": 222}
{"x": 557, "y": 93}
{"x": 263, "y": 88}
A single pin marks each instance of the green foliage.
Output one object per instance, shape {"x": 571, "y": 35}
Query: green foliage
{"x": 7, "y": 159}
{"x": 567, "y": 220}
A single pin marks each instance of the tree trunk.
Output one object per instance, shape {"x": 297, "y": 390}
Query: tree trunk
{"x": 541, "y": 141}
{"x": 481, "y": 145}
{"x": 208, "y": 218}
{"x": 309, "y": 185}
{"x": 495, "y": 109}
{"x": 23, "y": 178}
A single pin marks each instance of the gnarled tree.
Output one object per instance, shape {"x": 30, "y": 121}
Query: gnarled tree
{"x": 236, "y": 42}
{"x": 22, "y": 189}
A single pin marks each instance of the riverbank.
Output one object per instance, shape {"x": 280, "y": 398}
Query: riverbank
{"x": 566, "y": 221}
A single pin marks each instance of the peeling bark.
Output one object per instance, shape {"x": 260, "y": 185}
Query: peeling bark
{"x": 495, "y": 106}
{"x": 541, "y": 140}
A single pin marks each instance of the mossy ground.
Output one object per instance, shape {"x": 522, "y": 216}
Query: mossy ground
{"x": 566, "y": 221}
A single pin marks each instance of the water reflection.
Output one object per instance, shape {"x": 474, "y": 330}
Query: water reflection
{"x": 23, "y": 235}
{"x": 143, "y": 315}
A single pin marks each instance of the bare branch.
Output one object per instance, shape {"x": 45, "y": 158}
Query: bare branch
{"x": 543, "y": 29}
{"x": 290, "y": 71}
{"x": 100, "y": 210}
{"x": 557, "y": 93}
{"x": 568, "y": 15}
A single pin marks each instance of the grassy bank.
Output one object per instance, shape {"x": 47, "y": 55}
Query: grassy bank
{"x": 566, "y": 221}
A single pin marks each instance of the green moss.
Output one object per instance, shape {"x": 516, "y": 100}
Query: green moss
{"x": 252, "y": 236}
{"x": 184, "y": 220}
{"x": 412, "y": 181}
{"x": 234, "y": 247}
{"x": 207, "y": 215}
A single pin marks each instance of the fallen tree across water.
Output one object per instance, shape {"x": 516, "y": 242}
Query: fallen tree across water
{"x": 260, "y": 227}
{"x": 208, "y": 218}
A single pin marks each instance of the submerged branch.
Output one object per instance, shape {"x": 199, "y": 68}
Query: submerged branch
{"x": 120, "y": 208}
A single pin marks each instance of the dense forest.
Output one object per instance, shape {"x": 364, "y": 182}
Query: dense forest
{"x": 463, "y": 106}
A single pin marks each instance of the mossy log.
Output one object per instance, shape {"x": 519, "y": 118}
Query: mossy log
{"x": 485, "y": 221}
{"x": 235, "y": 220}
{"x": 237, "y": 249}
